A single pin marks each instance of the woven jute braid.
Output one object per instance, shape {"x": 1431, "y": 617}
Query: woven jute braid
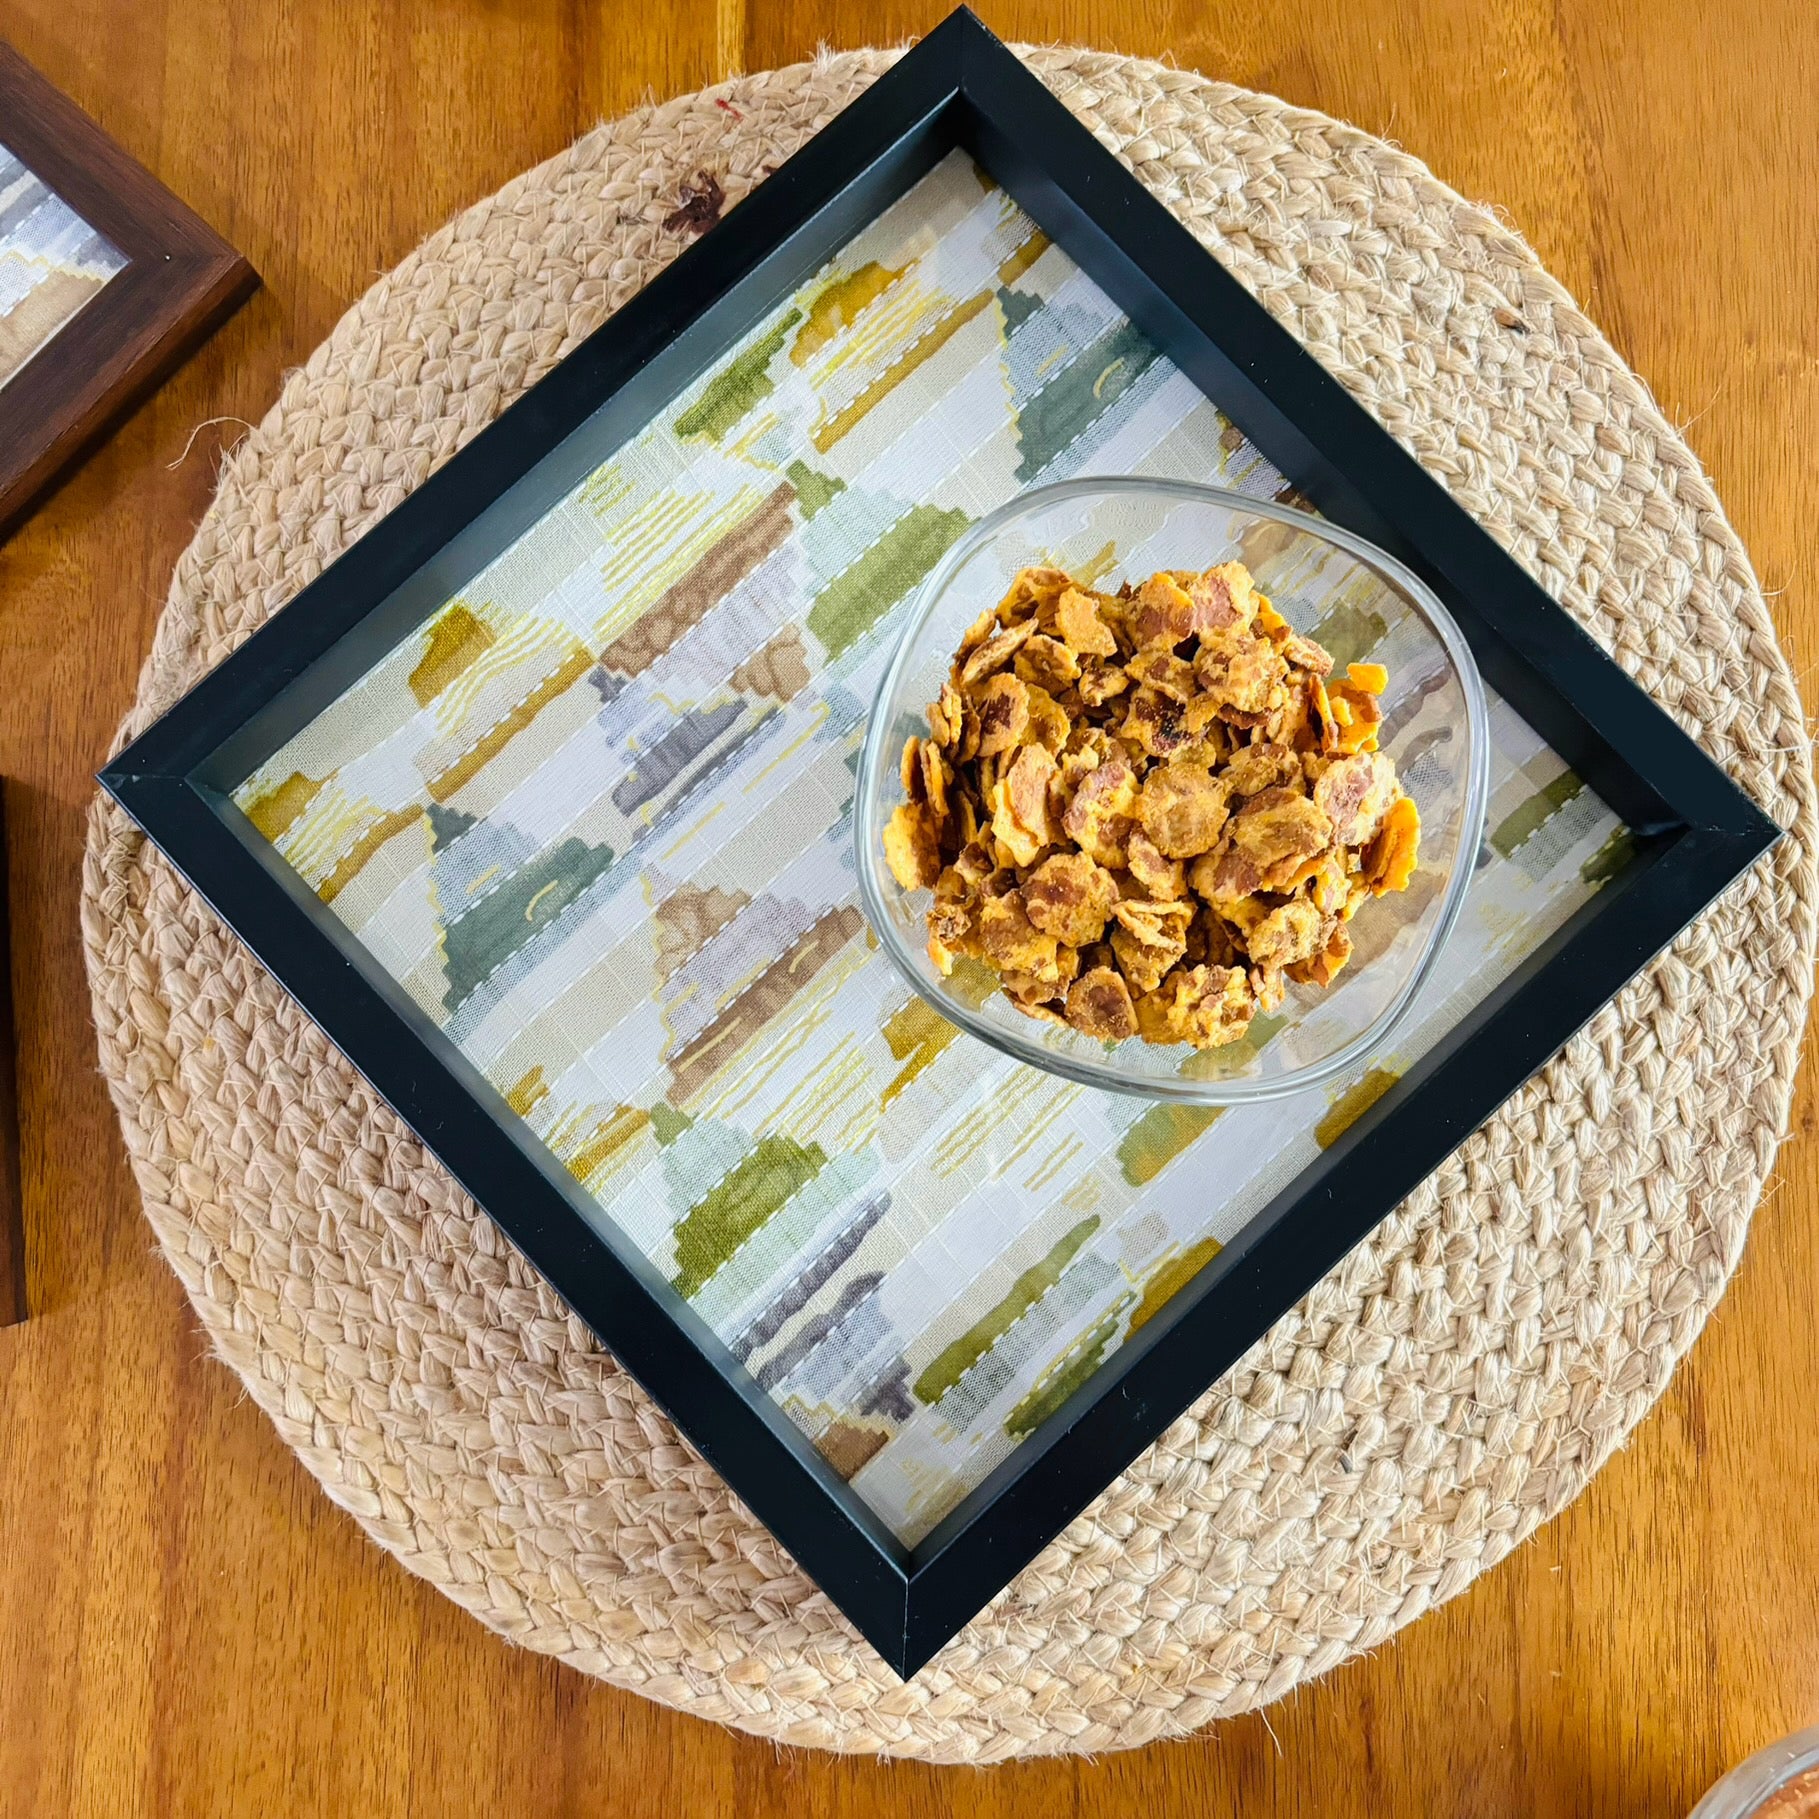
{"x": 1453, "y": 1384}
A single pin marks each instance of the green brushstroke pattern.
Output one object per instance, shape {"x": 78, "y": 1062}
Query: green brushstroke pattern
{"x": 1217, "y": 1063}
{"x": 1528, "y": 818}
{"x": 1083, "y": 390}
{"x": 740, "y": 386}
{"x": 667, "y": 1124}
{"x": 480, "y": 940}
{"x": 1160, "y": 1135}
{"x": 1349, "y": 632}
{"x": 1074, "y": 1368}
{"x": 1609, "y": 859}
{"x": 959, "y": 1356}
{"x": 1017, "y": 308}
{"x": 813, "y": 490}
{"x": 847, "y": 608}
{"x": 716, "y": 1226}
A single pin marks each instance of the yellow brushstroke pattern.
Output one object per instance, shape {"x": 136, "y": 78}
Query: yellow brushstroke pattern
{"x": 896, "y": 323}
{"x": 387, "y": 827}
{"x": 822, "y": 1083}
{"x": 839, "y": 305}
{"x": 807, "y": 1013}
{"x": 496, "y": 738}
{"x": 611, "y": 1135}
{"x": 1064, "y": 1095}
{"x": 526, "y": 1095}
{"x": 639, "y": 556}
{"x": 1171, "y": 1276}
{"x": 325, "y": 829}
{"x": 1352, "y": 1104}
{"x": 762, "y": 423}
{"x": 1054, "y": 1162}
{"x": 850, "y": 1082}
{"x": 816, "y": 721}
{"x": 608, "y": 485}
{"x": 1023, "y": 258}
{"x": 1105, "y": 374}
{"x": 456, "y": 640}
{"x": 689, "y": 833}
{"x": 916, "y": 1035}
{"x": 860, "y": 1129}
{"x": 828, "y": 433}
{"x": 523, "y": 639}
{"x": 273, "y": 813}
{"x": 976, "y": 1130}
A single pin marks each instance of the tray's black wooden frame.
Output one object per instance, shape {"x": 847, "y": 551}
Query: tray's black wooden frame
{"x": 1696, "y": 831}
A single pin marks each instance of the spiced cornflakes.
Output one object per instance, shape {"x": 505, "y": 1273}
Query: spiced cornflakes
{"x": 1150, "y": 811}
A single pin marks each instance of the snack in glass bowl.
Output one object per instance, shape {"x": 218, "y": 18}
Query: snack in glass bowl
{"x": 1147, "y": 811}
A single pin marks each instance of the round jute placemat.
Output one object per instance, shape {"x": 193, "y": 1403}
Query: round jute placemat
{"x": 1452, "y": 1385}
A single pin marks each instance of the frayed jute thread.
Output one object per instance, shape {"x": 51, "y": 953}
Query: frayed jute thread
{"x": 1454, "y": 1383}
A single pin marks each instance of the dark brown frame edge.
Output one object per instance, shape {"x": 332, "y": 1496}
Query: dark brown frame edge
{"x": 12, "y": 1212}
{"x": 1696, "y": 831}
{"x": 181, "y": 279}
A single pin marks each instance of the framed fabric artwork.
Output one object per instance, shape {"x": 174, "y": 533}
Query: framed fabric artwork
{"x": 106, "y": 281}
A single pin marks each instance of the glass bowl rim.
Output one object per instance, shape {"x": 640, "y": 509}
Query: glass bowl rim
{"x": 1105, "y": 1075}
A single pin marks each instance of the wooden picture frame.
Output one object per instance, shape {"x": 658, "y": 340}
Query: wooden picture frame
{"x": 179, "y": 281}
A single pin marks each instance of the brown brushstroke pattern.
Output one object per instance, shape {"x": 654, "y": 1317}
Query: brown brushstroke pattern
{"x": 847, "y": 1445}
{"x": 687, "y": 919}
{"x": 779, "y": 670}
{"x": 713, "y": 575}
{"x": 702, "y": 1056}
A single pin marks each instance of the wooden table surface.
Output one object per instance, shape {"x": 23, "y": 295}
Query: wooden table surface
{"x": 186, "y": 1624}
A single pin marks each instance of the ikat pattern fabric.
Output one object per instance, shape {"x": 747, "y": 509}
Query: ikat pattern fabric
{"x": 51, "y": 263}
{"x": 594, "y": 817}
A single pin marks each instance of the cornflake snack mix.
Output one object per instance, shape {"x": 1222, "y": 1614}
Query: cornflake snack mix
{"x": 1148, "y": 810}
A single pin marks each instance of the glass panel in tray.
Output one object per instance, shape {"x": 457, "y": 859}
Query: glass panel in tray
{"x": 594, "y": 816}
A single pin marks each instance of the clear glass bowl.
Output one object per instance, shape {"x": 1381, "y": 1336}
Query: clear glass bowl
{"x": 1789, "y": 1769}
{"x": 1360, "y": 603}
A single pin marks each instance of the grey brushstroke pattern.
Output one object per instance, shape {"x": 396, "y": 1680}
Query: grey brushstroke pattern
{"x": 828, "y": 1374}
{"x": 705, "y": 774}
{"x": 658, "y": 768}
{"x": 817, "y": 1331}
{"x": 890, "y": 1393}
{"x": 771, "y": 1320}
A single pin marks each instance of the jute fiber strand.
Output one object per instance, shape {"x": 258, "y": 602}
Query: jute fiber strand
{"x": 1452, "y": 1385}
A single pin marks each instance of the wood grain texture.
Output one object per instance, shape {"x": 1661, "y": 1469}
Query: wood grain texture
{"x": 186, "y": 1624}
